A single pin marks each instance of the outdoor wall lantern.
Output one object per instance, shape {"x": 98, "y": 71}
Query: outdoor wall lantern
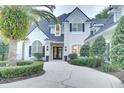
{"x": 47, "y": 48}
{"x": 65, "y": 48}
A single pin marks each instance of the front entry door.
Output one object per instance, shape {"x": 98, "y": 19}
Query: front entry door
{"x": 57, "y": 52}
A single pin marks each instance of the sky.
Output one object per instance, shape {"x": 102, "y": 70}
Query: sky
{"x": 89, "y": 10}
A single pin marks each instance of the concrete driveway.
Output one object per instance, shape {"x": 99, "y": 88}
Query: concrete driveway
{"x": 60, "y": 74}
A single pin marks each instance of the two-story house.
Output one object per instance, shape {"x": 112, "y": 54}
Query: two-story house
{"x": 56, "y": 43}
{"x": 74, "y": 30}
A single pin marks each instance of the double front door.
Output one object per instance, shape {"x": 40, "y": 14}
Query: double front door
{"x": 57, "y": 52}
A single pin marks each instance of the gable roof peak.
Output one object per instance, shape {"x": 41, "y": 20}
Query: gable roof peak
{"x": 77, "y": 8}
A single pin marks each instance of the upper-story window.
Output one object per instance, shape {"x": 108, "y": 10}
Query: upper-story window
{"x": 58, "y": 30}
{"x": 77, "y": 27}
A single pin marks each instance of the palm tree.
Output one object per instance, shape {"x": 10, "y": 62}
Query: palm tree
{"x": 15, "y": 21}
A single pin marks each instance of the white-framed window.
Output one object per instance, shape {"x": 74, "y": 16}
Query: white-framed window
{"x": 58, "y": 30}
{"x": 37, "y": 47}
{"x": 76, "y": 49}
{"x": 77, "y": 27}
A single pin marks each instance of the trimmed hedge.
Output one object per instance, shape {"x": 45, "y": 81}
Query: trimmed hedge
{"x": 19, "y": 63}
{"x": 22, "y": 63}
{"x": 20, "y": 71}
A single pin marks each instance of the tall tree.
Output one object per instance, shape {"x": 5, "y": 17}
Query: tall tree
{"x": 14, "y": 23}
{"x": 103, "y": 14}
{"x": 117, "y": 46}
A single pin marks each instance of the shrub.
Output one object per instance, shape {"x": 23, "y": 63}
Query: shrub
{"x": 98, "y": 47}
{"x": 84, "y": 51}
{"x": 38, "y": 56}
{"x": 20, "y": 71}
{"x": 108, "y": 67}
{"x": 84, "y": 61}
{"x": 72, "y": 56}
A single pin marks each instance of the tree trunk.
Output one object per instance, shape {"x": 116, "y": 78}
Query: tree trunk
{"x": 12, "y": 52}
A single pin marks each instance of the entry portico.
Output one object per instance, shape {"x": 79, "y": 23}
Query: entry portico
{"x": 54, "y": 50}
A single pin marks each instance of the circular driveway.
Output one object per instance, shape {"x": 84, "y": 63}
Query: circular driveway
{"x": 60, "y": 74}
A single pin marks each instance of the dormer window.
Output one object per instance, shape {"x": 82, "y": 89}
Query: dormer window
{"x": 58, "y": 30}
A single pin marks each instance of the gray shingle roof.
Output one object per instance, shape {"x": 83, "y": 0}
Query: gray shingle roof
{"x": 109, "y": 22}
{"x": 99, "y": 21}
{"x": 44, "y": 27}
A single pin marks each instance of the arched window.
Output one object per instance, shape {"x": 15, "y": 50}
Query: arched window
{"x": 36, "y": 47}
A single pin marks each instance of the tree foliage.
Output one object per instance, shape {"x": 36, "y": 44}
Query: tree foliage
{"x": 117, "y": 47}
{"x": 15, "y": 21}
{"x": 98, "y": 47}
{"x": 103, "y": 14}
{"x": 85, "y": 50}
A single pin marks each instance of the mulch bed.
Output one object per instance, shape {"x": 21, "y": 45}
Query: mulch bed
{"x": 21, "y": 78}
{"x": 119, "y": 74}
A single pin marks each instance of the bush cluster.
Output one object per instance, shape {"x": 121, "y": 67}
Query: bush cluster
{"x": 87, "y": 61}
{"x": 20, "y": 71}
{"x": 108, "y": 67}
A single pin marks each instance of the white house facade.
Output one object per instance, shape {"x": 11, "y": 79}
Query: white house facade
{"x": 74, "y": 30}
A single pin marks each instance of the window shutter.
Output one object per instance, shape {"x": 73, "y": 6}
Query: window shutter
{"x": 83, "y": 27}
{"x": 29, "y": 51}
{"x": 43, "y": 51}
{"x": 70, "y": 27}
